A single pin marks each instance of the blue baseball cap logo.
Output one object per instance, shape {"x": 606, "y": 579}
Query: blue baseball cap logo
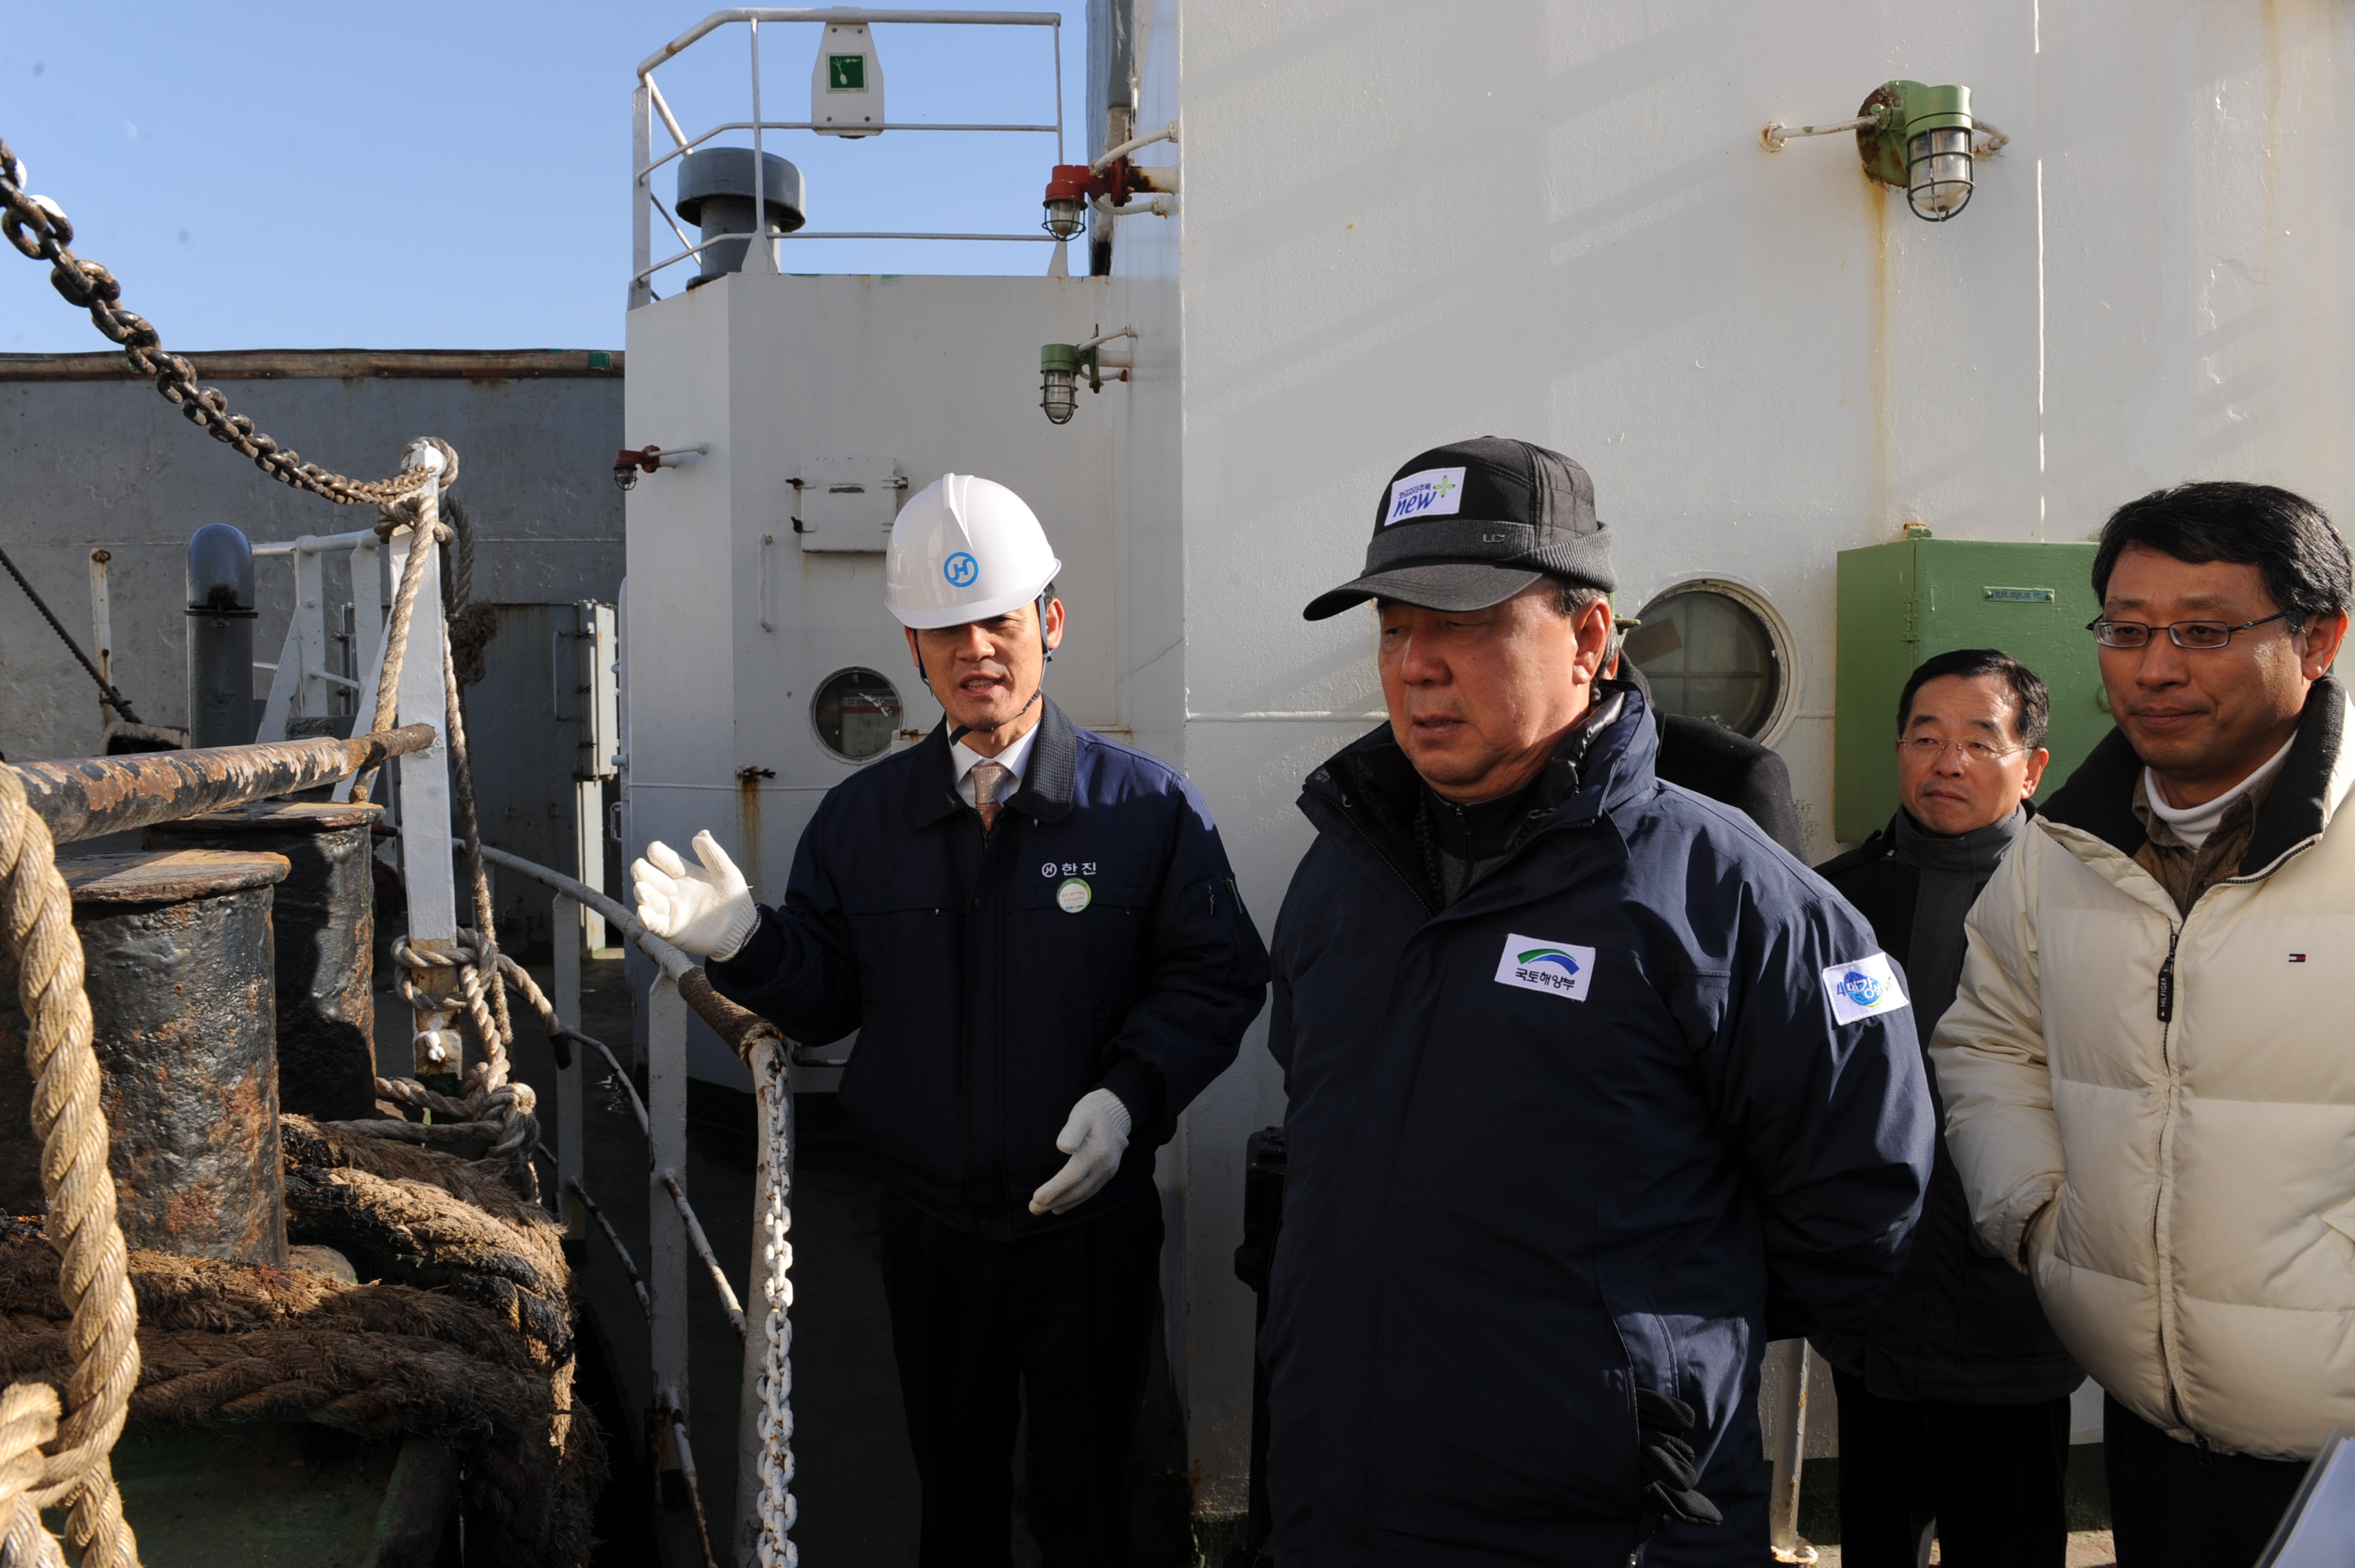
{"x": 961, "y": 569}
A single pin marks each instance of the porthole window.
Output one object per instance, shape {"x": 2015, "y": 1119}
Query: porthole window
{"x": 856, "y": 711}
{"x": 1709, "y": 652}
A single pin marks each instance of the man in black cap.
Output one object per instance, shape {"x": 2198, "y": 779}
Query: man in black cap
{"x": 1593, "y": 1089}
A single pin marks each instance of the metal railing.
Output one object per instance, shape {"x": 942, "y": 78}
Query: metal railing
{"x": 647, "y": 104}
{"x": 304, "y": 682}
{"x": 763, "y": 1505}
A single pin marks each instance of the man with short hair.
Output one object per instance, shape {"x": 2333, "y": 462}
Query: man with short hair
{"x": 2146, "y": 1076}
{"x": 1954, "y": 1402}
{"x": 1592, "y": 1087}
{"x": 1036, "y": 933}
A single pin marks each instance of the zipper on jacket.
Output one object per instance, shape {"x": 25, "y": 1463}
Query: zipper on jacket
{"x": 2167, "y": 1065}
{"x": 1349, "y": 815}
{"x": 1384, "y": 857}
{"x": 2167, "y": 989}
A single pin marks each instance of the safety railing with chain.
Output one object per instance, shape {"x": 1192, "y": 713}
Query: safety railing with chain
{"x": 765, "y": 1510}
{"x": 56, "y": 1453}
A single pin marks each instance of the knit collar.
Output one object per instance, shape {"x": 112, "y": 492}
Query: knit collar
{"x": 1972, "y": 854}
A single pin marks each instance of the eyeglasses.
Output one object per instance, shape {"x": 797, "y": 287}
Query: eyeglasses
{"x": 2201, "y": 634}
{"x": 1924, "y": 749}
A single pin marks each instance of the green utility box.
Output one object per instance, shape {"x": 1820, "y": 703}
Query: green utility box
{"x": 1901, "y": 603}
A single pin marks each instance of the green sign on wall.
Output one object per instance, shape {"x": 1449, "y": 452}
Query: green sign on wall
{"x": 1901, "y": 603}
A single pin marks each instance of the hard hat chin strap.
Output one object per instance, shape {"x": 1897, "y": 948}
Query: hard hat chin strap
{"x": 962, "y": 731}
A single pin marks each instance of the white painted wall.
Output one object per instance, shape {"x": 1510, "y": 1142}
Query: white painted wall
{"x": 938, "y": 374}
{"x": 1404, "y": 224}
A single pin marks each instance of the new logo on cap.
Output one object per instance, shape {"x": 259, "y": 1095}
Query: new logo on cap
{"x": 1433, "y": 493}
{"x": 961, "y": 569}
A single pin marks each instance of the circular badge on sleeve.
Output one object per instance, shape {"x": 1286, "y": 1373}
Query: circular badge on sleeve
{"x": 1074, "y": 895}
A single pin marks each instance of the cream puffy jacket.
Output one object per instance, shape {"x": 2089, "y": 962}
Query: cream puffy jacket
{"x": 2154, "y": 1114}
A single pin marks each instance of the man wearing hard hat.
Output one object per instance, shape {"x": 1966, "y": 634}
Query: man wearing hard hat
{"x": 1036, "y": 935}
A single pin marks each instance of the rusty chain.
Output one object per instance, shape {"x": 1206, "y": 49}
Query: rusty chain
{"x": 39, "y": 228}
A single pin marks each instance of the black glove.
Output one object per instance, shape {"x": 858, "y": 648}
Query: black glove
{"x": 1661, "y": 1422}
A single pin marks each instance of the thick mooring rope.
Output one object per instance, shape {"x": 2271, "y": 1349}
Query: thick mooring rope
{"x": 466, "y": 1335}
{"x": 28, "y": 1418}
{"x": 93, "y": 1278}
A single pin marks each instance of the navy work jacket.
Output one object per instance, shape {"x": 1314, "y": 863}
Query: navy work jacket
{"x": 1594, "y": 1127}
{"x": 1092, "y": 939}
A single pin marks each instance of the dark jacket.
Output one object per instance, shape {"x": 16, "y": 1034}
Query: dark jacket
{"x": 1736, "y": 771}
{"x": 1728, "y": 767}
{"x": 984, "y": 1010}
{"x": 1590, "y": 1130}
{"x": 1961, "y": 1327}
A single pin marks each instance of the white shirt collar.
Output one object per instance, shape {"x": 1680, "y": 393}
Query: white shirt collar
{"x": 2192, "y": 824}
{"x": 1013, "y": 758}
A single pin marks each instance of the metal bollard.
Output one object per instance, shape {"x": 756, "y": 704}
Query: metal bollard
{"x": 325, "y": 919}
{"x": 177, "y": 949}
{"x": 220, "y": 638}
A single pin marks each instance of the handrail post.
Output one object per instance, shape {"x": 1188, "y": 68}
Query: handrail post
{"x": 368, "y": 624}
{"x": 424, "y": 795}
{"x": 1787, "y": 1441}
{"x": 565, "y": 927}
{"x": 642, "y": 196}
{"x": 102, "y": 636}
{"x": 665, "y": 1232}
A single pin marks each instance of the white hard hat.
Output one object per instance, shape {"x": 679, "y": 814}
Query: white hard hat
{"x": 964, "y": 548}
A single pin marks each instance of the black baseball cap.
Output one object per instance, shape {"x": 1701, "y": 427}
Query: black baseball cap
{"x": 1470, "y": 524}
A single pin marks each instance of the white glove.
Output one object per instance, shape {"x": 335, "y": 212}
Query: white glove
{"x": 707, "y": 910}
{"x": 1093, "y": 1138}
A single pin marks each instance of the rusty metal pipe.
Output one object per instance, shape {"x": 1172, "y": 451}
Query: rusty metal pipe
{"x": 85, "y": 797}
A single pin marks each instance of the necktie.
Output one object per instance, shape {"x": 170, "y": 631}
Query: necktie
{"x": 989, "y": 779}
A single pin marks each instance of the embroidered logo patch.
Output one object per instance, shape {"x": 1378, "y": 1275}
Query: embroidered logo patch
{"x": 1556, "y": 968}
{"x": 1433, "y": 493}
{"x": 1864, "y": 989}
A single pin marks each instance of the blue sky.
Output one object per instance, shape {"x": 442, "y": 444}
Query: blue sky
{"x": 434, "y": 175}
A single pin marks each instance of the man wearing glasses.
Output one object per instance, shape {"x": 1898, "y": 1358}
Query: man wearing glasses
{"x": 2148, "y": 1084}
{"x": 1954, "y": 1401}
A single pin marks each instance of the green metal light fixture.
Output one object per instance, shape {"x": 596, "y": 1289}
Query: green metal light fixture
{"x": 1917, "y": 138}
{"x": 1937, "y": 150}
{"x": 1060, "y": 365}
{"x": 1058, "y": 368}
